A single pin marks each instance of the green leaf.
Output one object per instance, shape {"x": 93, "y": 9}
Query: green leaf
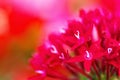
{"x": 82, "y": 77}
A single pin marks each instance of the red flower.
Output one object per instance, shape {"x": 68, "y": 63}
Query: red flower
{"x": 48, "y": 57}
{"x": 88, "y": 55}
{"x": 88, "y": 44}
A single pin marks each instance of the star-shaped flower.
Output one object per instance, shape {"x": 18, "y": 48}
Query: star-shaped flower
{"x": 88, "y": 55}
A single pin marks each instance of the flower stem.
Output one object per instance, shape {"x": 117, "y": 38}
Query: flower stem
{"x": 107, "y": 72}
{"x": 81, "y": 71}
{"x": 96, "y": 71}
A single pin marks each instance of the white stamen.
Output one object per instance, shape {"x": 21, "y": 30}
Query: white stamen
{"x": 40, "y": 71}
{"x": 109, "y": 50}
{"x": 87, "y": 54}
{"x": 77, "y": 34}
{"x": 54, "y": 50}
{"x": 62, "y": 56}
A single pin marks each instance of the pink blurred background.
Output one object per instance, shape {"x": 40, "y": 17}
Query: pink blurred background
{"x": 25, "y": 24}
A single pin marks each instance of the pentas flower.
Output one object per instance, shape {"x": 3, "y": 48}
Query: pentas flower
{"x": 88, "y": 47}
{"x": 88, "y": 55}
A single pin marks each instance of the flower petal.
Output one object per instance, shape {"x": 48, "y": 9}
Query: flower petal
{"x": 76, "y": 59}
{"x": 87, "y": 65}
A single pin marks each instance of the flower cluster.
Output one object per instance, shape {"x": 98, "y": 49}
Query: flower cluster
{"x": 89, "y": 47}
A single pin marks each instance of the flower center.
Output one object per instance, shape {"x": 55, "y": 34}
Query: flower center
{"x": 62, "y": 56}
{"x": 109, "y": 50}
{"x": 77, "y": 34}
{"x": 53, "y": 49}
{"x": 88, "y": 56}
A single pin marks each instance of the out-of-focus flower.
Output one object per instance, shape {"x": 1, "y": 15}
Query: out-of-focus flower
{"x": 16, "y": 28}
{"x": 4, "y": 24}
{"x": 85, "y": 47}
{"x": 112, "y": 5}
{"x": 50, "y": 9}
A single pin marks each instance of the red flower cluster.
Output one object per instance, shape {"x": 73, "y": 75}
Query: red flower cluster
{"x": 89, "y": 46}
